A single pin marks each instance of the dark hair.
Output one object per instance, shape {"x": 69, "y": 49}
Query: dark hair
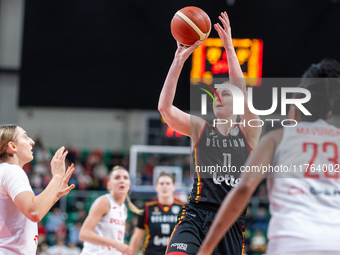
{"x": 7, "y": 134}
{"x": 327, "y": 68}
{"x": 322, "y": 81}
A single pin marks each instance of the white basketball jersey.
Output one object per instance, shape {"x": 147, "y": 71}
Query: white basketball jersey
{"x": 18, "y": 234}
{"x": 305, "y": 201}
{"x": 112, "y": 226}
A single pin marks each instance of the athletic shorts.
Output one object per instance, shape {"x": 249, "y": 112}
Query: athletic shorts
{"x": 192, "y": 227}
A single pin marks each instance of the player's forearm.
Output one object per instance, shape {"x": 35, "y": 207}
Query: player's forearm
{"x": 93, "y": 238}
{"x": 229, "y": 212}
{"x": 168, "y": 92}
{"x": 135, "y": 243}
{"x": 42, "y": 203}
{"x": 235, "y": 71}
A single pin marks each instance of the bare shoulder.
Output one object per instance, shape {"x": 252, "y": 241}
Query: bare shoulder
{"x": 99, "y": 209}
{"x": 100, "y": 206}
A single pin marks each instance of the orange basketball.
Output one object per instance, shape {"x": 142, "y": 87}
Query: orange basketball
{"x": 189, "y": 25}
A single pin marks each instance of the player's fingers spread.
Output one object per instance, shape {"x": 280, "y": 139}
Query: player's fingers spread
{"x": 226, "y": 19}
{"x": 218, "y": 28}
{"x": 69, "y": 173}
{"x": 225, "y": 25}
{"x": 64, "y": 154}
{"x": 70, "y": 169}
{"x": 68, "y": 189}
{"x": 56, "y": 154}
{"x": 59, "y": 152}
{"x": 226, "y": 16}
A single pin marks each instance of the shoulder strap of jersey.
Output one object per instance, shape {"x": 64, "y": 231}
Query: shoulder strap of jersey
{"x": 202, "y": 132}
{"x": 110, "y": 198}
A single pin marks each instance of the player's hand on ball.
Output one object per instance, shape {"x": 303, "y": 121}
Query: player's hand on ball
{"x": 183, "y": 52}
{"x": 225, "y": 32}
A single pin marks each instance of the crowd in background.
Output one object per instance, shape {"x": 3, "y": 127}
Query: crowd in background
{"x": 59, "y": 231}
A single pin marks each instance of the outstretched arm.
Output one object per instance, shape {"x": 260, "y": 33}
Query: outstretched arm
{"x": 237, "y": 78}
{"x": 174, "y": 117}
{"x": 235, "y": 71}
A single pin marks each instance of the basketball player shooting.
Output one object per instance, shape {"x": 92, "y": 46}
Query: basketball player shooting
{"x": 206, "y": 195}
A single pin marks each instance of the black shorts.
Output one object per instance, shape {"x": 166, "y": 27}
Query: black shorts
{"x": 194, "y": 225}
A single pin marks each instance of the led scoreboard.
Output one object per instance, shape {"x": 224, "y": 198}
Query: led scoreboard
{"x": 210, "y": 60}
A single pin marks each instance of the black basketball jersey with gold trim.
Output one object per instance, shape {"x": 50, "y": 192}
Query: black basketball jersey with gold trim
{"x": 158, "y": 221}
{"x": 217, "y": 160}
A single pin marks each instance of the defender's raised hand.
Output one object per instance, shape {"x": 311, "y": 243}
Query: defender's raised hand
{"x": 58, "y": 166}
{"x": 64, "y": 189}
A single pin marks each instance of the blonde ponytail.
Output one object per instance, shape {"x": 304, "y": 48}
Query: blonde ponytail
{"x": 132, "y": 207}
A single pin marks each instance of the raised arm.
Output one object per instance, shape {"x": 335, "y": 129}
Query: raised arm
{"x": 235, "y": 71}
{"x": 99, "y": 209}
{"x": 237, "y": 78}
{"x": 174, "y": 117}
{"x": 36, "y": 207}
{"x": 237, "y": 200}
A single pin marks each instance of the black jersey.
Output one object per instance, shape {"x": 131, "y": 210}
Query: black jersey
{"x": 216, "y": 163}
{"x": 158, "y": 221}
